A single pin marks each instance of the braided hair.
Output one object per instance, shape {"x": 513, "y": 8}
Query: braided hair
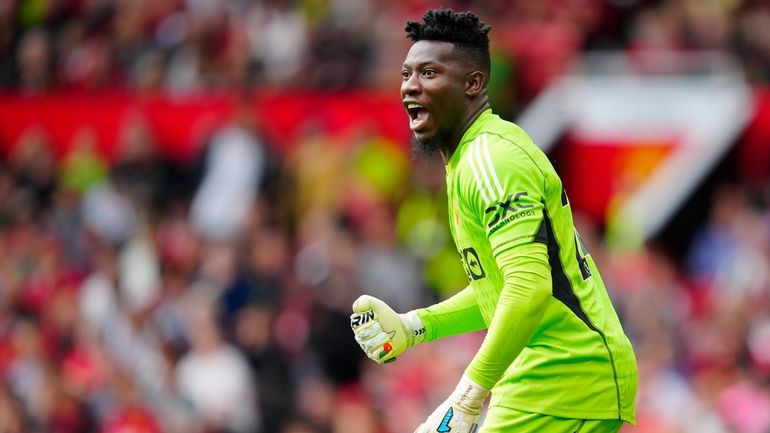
{"x": 463, "y": 29}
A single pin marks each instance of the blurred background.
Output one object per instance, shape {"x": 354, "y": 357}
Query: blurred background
{"x": 193, "y": 192}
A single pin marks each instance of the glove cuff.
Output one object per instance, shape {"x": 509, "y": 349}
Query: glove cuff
{"x": 415, "y": 328}
{"x": 469, "y": 395}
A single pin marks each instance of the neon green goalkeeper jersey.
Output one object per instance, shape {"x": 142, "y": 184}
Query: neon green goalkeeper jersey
{"x": 503, "y": 194}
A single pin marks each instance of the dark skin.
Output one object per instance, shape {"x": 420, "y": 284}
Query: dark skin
{"x": 450, "y": 90}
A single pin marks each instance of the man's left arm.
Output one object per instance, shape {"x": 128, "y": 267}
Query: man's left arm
{"x": 519, "y": 310}
{"x": 517, "y": 231}
{"x": 522, "y": 302}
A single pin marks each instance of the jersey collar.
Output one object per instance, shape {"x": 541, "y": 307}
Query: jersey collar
{"x": 470, "y": 134}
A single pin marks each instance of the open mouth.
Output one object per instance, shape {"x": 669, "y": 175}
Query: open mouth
{"x": 418, "y": 115}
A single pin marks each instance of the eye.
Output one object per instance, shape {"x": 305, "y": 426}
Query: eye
{"x": 405, "y": 75}
{"x": 428, "y": 73}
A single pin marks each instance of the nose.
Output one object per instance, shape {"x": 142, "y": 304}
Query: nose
{"x": 410, "y": 86}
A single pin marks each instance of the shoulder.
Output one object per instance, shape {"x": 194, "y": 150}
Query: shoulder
{"x": 501, "y": 147}
{"x": 499, "y": 158}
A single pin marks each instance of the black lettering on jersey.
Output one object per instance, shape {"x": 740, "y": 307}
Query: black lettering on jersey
{"x": 501, "y": 224}
{"x": 520, "y": 195}
{"x": 472, "y": 264}
{"x": 502, "y": 208}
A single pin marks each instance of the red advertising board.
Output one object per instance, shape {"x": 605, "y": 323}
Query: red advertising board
{"x": 180, "y": 124}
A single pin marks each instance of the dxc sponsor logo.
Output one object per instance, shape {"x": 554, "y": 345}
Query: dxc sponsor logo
{"x": 502, "y": 208}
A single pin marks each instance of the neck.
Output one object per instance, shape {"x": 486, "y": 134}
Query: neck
{"x": 474, "y": 110}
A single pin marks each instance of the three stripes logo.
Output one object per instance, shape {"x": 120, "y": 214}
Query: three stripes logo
{"x": 483, "y": 170}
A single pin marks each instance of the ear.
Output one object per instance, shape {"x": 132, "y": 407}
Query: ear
{"x": 475, "y": 82}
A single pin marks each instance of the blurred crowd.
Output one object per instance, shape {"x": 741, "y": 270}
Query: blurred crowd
{"x": 700, "y": 324}
{"x": 141, "y": 294}
{"x": 188, "y": 45}
{"x": 144, "y": 294}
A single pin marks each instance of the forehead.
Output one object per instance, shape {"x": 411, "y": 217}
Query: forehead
{"x": 430, "y": 52}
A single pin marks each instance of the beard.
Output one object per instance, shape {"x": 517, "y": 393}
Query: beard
{"x": 431, "y": 148}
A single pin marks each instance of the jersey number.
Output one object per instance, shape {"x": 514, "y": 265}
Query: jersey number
{"x": 581, "y": 253}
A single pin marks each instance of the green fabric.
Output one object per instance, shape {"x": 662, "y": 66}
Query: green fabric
{"x": 570, "y": 355}
{"x": 520, "y": 307}
{"x": 504, "y": 420}
{"x": 457, "y": 315}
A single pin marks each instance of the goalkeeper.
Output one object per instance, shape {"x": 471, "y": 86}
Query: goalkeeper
{"x": 555, "y": 357}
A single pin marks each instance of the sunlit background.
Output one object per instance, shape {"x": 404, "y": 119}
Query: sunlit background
{"x": 193, "y": 192}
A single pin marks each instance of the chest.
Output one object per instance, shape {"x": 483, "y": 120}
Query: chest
{"x": 476, "y": 256}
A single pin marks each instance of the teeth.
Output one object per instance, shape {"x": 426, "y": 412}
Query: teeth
{"x": 413, "y": 105}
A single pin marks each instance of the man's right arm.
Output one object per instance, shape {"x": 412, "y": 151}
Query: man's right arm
{"x": 383, "y": 334}
{"x": 458, "y": 314}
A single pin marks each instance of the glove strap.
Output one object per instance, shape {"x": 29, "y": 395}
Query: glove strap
{"x": 415, "y": 328}
{"x": 469, "y": 395}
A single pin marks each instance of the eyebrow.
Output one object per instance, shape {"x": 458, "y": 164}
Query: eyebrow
{"x": 421, "y": 64}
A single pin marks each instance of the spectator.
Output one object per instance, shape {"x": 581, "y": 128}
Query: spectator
{"x": 34, "y": 61}
{"x": 233, "y": 166}
{"x": 214, "y": 377}
{"x": 32, "y": 164}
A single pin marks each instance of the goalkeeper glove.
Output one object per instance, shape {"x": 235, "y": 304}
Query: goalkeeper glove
{"x": 382, "y": 333}
{"x": 460, "y": 412}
